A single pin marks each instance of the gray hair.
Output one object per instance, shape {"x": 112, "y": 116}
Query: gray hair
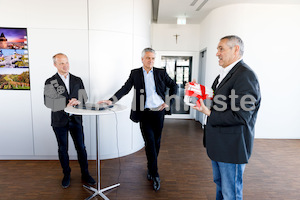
{"x": 147, "y": 50}
{"x": 58, "y": 54}
{"x": 234, "y": 40}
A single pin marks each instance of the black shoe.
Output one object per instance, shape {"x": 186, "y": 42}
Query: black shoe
{"x": 66, "y": 181}
{"x": 88, "y": 179}
{"x": 149, "y": 176}
{"x": 156, "y": 183}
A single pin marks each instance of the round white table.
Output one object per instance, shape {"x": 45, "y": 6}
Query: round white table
{"x": 77, "y": 111}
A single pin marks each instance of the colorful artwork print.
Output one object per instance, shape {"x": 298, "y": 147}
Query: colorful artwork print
{"x": 14, "y": 63}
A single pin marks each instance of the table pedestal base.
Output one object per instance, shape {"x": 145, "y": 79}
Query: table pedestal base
{"x": 99, "y": 192}
{"x": 97, "y": 113}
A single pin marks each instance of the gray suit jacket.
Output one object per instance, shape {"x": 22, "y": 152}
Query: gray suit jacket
{"x": 229, "y": 133}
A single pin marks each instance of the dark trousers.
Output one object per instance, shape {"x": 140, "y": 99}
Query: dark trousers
{"x": 151, "y": 125}
{"x": 76, "y": 131}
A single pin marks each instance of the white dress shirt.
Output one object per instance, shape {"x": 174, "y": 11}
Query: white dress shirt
{"x": 66, "y": 81}
{"x": 224, "y": 71}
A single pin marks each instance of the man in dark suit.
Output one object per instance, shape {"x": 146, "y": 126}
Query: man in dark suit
{"x": 148, "y": 106}
{"x": 229, "y": 132}
{"x": 63, "y": 89}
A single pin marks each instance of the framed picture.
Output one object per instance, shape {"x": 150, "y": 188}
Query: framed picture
{"x": 14, "y": 61}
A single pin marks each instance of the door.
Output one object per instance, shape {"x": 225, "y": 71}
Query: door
{"x": 201, "y": 79}
{"x": 179, "y": 68}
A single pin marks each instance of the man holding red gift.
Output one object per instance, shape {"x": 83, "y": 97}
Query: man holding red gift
{"x": 229, "y": 131}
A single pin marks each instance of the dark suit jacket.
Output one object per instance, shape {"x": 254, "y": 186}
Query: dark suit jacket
{"x": 230, "y": 134}
{"x": 136, "y": 80}
{"x": 61, "y": 118}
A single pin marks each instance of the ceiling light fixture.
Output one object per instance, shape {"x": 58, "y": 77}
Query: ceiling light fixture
{"x": 181, "y": 20}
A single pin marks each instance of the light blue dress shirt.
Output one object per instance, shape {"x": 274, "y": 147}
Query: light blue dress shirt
{"x": 153, "y": 100}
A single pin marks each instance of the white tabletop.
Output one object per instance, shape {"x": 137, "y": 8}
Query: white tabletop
{"x": 77, "y": 111}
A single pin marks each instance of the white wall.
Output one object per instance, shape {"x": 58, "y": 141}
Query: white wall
{"x": 103, "y": 41}
{"x": 271, "y": 37}
{"x": 163, "y": 38}
{"x": 115, "y": 49}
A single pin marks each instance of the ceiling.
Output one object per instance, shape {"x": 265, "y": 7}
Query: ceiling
{"x": 167, "y": 11}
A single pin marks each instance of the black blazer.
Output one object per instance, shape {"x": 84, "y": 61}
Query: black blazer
{"x": 230, "y": 134}
{"x": 136, "y": 80}
{"x": 60, "y": 118}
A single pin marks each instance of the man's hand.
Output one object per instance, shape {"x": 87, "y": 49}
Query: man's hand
{"x": 73, "y": 102}
{"x": 108, "y": 102}
{"x": 163, "y": 106}
{"x": 187, "y": 84}
{"x": 203, "y": 108}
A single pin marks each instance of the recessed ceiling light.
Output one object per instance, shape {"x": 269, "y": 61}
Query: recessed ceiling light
{"x": 181, "y": 20}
